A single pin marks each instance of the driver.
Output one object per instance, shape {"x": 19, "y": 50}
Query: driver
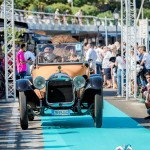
{"x": 48, "y": 55}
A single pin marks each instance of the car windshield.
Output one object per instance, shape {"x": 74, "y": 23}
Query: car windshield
{"x": 60, "y": 53}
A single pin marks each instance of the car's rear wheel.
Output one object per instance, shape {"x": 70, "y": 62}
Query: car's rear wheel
{"x": 23, "y": 111}
{"x": 98, "y": 109}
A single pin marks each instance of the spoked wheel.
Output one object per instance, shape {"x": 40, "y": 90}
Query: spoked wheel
{"x": 2, "y": 89}
{"x": 98, "y": 109}
{"x": 23, "y": 111}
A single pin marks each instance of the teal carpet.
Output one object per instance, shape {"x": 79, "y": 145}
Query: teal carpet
{"x": 79, "y": 133}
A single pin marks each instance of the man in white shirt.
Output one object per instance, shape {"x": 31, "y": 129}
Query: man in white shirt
{"x": 29, "y": 55}
{"x": 107, "y": 66}
{"x": 99, "y": 59}
{"x": 91, "y": 56}
{"x": 145, "y": 62}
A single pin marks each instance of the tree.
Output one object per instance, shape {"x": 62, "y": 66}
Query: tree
{"x": 89, "y": 10}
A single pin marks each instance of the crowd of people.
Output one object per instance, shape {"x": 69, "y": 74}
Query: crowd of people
{"x": 107, "y": 61}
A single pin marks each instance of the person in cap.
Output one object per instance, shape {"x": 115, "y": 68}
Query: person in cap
{"x": 49, "y": 56}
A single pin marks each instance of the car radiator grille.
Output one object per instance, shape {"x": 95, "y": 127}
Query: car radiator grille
{"x": 60, "y": 91}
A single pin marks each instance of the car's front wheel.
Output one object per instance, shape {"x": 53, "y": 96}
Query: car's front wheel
{"x": 98, "y": 109}
{"x": 23, "y": 111}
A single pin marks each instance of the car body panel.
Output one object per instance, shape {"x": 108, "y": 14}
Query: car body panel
{"x": 71, "y": 69}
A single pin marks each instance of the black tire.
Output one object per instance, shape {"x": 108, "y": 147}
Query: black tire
{"x": 23, "y": 111}
{"x": 2, "y": 89}
{"x": 98, "y": 109}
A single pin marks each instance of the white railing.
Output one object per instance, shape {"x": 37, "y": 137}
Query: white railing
{"x": 49, "y": 18}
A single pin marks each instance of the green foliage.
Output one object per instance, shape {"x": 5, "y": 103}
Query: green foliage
{"x": 1, "y": 1}
{"x": 147, "y": 4}
{"x": 23, "y": 4}
{"x": 54, "y": 1}
{"x": 115, "y": 5}
{"x": 107, "y": 14}
{"x": 74, "y": 10}
{"x": 103, "y": 1}
{"x": 89, "y": 7}
{"x": 62, "y": 7}
{"x": 89, "y": 10}
{"x": 32, "y": 7}
{"x": 79, "y": 3}
{"x": 147, "y": 13}
{"x": 48, "y": 9}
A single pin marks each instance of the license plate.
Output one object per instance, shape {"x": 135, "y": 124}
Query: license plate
{"x": 60, "y": 112}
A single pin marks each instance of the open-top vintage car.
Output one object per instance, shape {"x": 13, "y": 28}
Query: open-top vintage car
{"x": 60, "y": 81}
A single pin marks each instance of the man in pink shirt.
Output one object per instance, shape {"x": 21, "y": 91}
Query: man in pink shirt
{"x": 21, "y": 62}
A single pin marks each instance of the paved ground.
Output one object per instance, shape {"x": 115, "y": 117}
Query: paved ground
{"x": 11, "y": 136}
{"x": 67, "y": 133}
{"x": 134, "y": 108}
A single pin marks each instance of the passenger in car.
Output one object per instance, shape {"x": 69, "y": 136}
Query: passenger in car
{"x": 73, "y": 57}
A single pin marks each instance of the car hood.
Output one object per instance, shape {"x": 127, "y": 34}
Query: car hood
{"x": 70, "y": 70}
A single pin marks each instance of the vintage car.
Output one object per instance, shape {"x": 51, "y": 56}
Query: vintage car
{"x": 60, "y": 81}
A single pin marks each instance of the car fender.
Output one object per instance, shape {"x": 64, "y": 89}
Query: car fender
{"x": 23, "y": 85}
{"x": 96, "y": 82}
{"x": 29, "y": 78}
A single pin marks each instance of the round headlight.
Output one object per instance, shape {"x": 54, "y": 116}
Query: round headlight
{"x": 39, "y": 82}
{"x": 79, "y": 82}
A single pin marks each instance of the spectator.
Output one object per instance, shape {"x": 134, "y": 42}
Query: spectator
{"x": 146, "y": 94}
{"x": 65, "y": 17}
{"x": 133, "y": 69}
{"x": 107, "y": 67}
{"x": 57, "y": 15}
{"x": 78, "y": 17}
{"x": 145, "y": 61}
{"x": 91, "y": 56}
{"x": 21, "y": 62}
{"x": 99, "y": 59}
{"x": 113, "y": 67}
{"x": 29, "y": 55}
{"x": 121, "y": 66}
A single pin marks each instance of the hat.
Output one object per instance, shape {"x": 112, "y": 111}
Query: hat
{"x": 57, "y": 9}
{"x": 67, "y": 10}
{"x": 48, "y": 46}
